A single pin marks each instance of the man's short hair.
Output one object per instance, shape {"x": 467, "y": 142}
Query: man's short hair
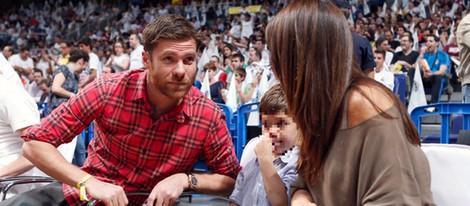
{"x": 436, "y": 39}
{"x": 36, "y": 70}
{"x": 85, "y": 41}
{"x": 23, "y": 49}
{"x": 77, "y": 54}
{"x": 239, "y": 56}
{"x": 410, "y": 38}
{"x": 137, "y": 36}
{"x": 67, "y": 43}
{"x": 261, "y": 39}
{"x": 44, "y": 81}
{"x": 273, "y": 101}
{"x": 380, "y": 51}
{"x": 217, "y": 57}
{"x": 8, "y": 48}
{"x": 170, "y": 27}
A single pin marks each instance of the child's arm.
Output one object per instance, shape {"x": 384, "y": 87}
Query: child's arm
{"x": 232, "y": 204}
{"x": 273, "y": 184}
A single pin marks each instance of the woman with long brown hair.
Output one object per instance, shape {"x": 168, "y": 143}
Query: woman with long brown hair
{"x": 358, "y": 144}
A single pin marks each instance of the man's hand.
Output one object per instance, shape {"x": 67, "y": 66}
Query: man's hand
{"x": 109, "y": 194}
{"x": 264, "y": 149}
{"x": 427, "y": 73}
{"x": 168, "y": 190}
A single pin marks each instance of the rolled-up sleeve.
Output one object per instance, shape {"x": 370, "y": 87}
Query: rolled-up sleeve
{"x": 70, "y": 118}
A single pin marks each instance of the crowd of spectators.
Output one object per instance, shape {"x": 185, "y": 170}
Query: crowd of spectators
{"x": 40, "y": 28}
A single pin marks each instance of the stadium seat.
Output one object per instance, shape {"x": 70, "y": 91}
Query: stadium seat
{"x": 242, "y": 114}
{"x": 450, "y": 182}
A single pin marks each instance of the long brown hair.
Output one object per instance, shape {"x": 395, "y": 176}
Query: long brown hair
{"x": 312, "y": 56}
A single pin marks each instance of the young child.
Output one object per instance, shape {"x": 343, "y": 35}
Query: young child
{"x": 266, "y": 179}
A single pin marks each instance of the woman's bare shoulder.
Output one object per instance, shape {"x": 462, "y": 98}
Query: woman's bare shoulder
{"x": 361, "y": 104}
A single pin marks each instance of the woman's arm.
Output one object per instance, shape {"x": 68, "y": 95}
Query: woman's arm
{"x": 57, "y": 88}
{"x": 124, "y": 65}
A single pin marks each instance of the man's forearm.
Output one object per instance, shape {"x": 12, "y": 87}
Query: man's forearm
{"x": 21, "y": 70}
{"x": 47, "y": 158}
{"x": 216, "y": 184}
{"x": 15, "y": 168}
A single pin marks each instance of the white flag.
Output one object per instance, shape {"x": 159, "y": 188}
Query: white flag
{"x": 206, "y": 88}
{"x": 384, "y": 8}
{"x": 395, "y": 6}
{"x": 417, "y": 96}
{"x": 366, "y": 8}
{"x": 416, "y": 40}
{"x": 263, "y": 84}
{"x": 232, "y": 94}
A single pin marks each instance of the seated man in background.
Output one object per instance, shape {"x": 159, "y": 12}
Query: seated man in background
{"x": 405, "y": 59}
{"x": 151, "y": 126}
{"x": 433, "y": 66}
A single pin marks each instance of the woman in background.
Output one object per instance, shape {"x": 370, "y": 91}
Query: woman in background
{"x": 120, "y": 60}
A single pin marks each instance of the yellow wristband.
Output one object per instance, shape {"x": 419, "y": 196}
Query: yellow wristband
{"x": 81, "y": 187}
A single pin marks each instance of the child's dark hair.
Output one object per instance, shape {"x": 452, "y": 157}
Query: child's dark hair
{"x": 241, "y": 71}
{"x": 273, "y": 101}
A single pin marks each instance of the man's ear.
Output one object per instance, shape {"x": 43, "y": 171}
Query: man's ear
{"x": 146, "y": 59}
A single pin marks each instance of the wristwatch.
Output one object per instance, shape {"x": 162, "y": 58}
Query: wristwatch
{"x": 192, "y": 181}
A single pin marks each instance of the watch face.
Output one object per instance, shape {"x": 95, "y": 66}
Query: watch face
{"x": 193, "y": 181}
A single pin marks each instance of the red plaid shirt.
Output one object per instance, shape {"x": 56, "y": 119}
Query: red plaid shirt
{"x": 130, "y": 148}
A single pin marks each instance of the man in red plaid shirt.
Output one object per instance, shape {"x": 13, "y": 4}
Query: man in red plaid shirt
{"x": 150, "y": 128}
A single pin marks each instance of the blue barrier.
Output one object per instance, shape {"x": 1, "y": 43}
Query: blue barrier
{"x": 88, "y": 134}
{"x": 445, "y": 110}
{"x": 230, "y": 118}
{"x": 240, "y": 139}
{"x": 42, "y": 108}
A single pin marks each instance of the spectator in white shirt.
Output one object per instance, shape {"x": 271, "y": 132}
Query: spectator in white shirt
{"x": 33, "y": 88}
{"x": 91, "y": 72}
{"x": 382, "y": 73}
{"x": 22, "y": 62}
{"x": 136, "y": 54}
{"x": 7, "y": 51}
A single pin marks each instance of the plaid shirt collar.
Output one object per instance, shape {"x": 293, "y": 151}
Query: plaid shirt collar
{"x": 181, "y": 112}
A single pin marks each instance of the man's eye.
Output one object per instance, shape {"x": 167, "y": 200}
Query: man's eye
{"x": 167, "y": 59}
{"x": 189, "y": 60}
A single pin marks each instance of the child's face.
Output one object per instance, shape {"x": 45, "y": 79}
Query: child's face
{"x": 282, "y": 130}
{"x": 239, "y": 77}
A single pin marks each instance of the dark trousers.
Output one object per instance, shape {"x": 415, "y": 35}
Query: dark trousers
{"x": 50, "y": 195}
{"x": 434, "y": 82}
